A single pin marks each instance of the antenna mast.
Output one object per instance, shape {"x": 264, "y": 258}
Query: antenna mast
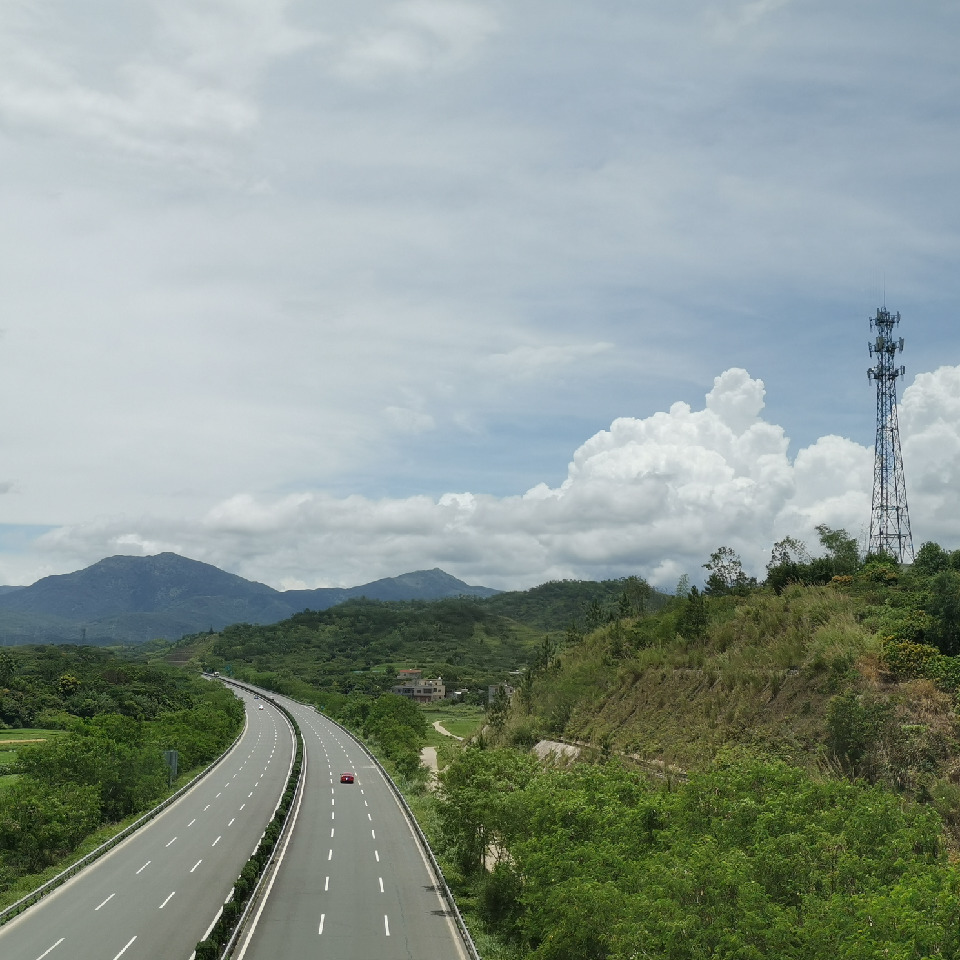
{"x": 889, "y": 518}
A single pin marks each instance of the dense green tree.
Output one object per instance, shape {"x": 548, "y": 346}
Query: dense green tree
{"x": 726, "y": 574}
{"x": 789, "y": 561}
{"x": 943, "y": 607}
{"x": 693, "y": 620}
{"x": 842, "y": 550}
{"x": 746, "y": 861}
{"x": 931, "y": 558}
{"x": 398, "y": 725}
{"x": 473, "y": 809}
{"x": 40, "y": 822}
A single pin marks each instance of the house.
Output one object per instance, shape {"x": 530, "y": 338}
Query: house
{"x": 423, "y": 691}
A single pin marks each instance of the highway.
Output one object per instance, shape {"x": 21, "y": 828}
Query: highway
{"x": 154, "y": 896}
{"x": 352, "y": 883}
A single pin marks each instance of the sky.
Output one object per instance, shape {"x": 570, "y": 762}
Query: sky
{"x": 324, "y": 292}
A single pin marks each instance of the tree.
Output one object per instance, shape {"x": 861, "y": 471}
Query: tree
{"x": 726, "y": 574}
{"x": 944, "y": 608}
{"x": 842, "y": 550}
{"x": 399, "y": 726}
{"x": 931, "y": 558}
{"x": 788, "y": 562}
{"x": 632, "y": 602}
{"x": 693, "y": 618}
{"x": 473, "y": 802}
{"x": 7, "y": 668}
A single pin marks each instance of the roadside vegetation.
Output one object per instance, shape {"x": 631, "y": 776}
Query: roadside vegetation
{"x": 765, "y": 768}
{"x": 103, "y": 725}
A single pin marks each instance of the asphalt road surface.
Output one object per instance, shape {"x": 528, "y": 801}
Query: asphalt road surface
{"x": 155, "y": 895}
{"x": 353, "y": 883}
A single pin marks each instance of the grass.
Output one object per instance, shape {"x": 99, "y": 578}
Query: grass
{"x": 762, "y": 674}
{"x": 460, "y": 719}
{"x": 10, "y": 743}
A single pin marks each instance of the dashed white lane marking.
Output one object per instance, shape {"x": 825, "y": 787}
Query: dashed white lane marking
{"x": 323, "y": 916}
{"x": 105, "y": 902}
{"x": 174, "y": 840}
{"x": 386, "y": 924}
{"x": 197, "y": 864}
{"x": 125, "y": 949}
{"x": 144, "y": 867}
{"x": 50, "y": 949}
{"x": 165, "y": 902}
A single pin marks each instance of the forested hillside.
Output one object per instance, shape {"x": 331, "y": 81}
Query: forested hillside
{"x": 359, "y": 645}
{"x": 767, "y": 770}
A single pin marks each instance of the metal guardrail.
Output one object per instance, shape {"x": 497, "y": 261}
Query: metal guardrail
{"x": 254, "y": 898}
{"x": 15, "y": 909}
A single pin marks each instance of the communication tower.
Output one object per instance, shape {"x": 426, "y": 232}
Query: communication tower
{"x": 889, "y": 518}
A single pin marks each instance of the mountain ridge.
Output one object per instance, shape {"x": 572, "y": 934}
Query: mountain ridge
{"x": 126, "y": 599}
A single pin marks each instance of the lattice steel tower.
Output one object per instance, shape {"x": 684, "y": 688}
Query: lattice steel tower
{"x": 889, "y": 519}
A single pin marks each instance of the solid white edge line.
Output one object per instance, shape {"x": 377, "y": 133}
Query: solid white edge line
{"x": 458, "y": 940}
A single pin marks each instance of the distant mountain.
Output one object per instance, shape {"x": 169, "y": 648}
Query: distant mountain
{"x": 133, "y": 599}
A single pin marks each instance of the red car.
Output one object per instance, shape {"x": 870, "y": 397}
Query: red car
{"x": 346, "y": 778}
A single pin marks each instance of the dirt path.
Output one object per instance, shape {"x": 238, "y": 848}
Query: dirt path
{"x": 440, "y": 728}
{"x": 428, "y": 757}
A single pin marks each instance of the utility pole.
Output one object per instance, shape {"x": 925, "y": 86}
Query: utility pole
{"x": 889, "y": 518}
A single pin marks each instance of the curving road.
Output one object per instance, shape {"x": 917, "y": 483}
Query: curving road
{"x": 155, "y": 895}
{"x": 352, "y": 883}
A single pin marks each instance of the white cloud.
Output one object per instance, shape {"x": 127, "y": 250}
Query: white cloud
{"x": 529, "y": 362}
{"x": 185, "y": 79}
{"x": 417, "y": 36}
{"x": 652, "y": 496}
{"x": 398, "y": 248}
{"x": 405, "y": 420}
{"x": 929, "y": 423}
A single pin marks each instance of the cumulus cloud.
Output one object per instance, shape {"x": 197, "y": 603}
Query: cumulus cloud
{"x": 650, "y": 496}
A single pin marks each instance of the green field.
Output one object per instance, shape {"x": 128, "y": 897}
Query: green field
{"x": 462, "y": 720}
{"x": 12, "y": 740}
